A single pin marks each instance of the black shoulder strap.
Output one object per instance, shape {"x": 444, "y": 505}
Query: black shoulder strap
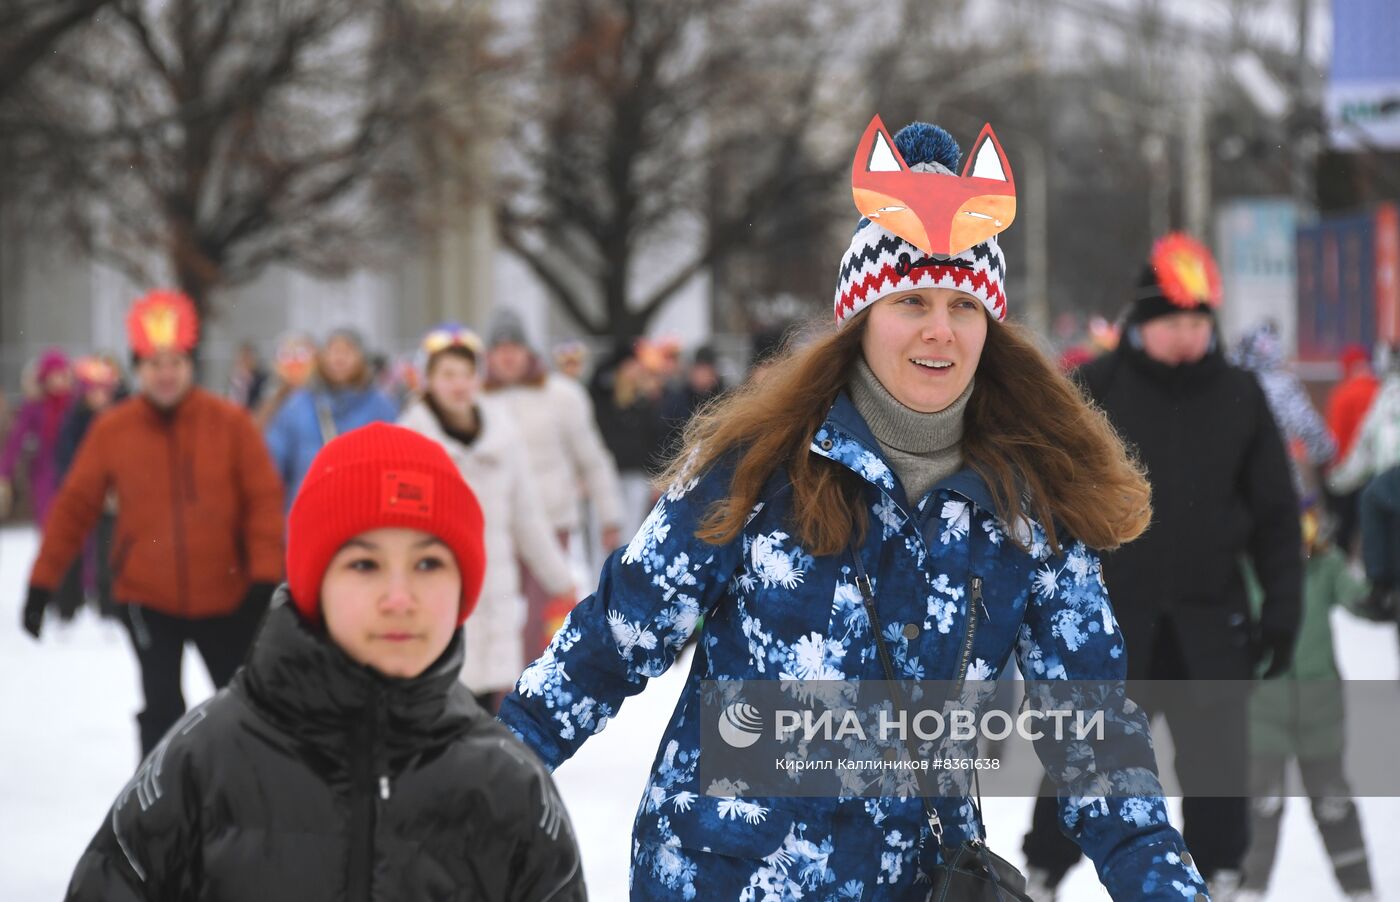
{"x": 867, "y": 594}
{"x": 324, "y": 420}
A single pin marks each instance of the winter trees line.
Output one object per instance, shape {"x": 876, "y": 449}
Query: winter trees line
{"x": 625, "y": 146}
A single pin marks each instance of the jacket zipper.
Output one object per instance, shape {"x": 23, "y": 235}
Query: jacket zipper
{"x": 364, "y": 788}
{"x": 177, "y": 506}
{"x": 974, "y": 602}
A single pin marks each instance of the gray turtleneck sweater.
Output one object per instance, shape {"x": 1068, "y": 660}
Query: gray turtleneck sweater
{"x": 922, "y": 448}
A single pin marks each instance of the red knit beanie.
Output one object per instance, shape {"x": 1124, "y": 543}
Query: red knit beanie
{"x": 374, "y": 477}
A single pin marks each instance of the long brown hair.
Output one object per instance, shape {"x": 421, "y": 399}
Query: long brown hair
{"x": 1042, "y": 449}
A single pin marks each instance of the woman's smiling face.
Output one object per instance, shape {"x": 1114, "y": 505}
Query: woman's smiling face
{"x": 924, "y": 344}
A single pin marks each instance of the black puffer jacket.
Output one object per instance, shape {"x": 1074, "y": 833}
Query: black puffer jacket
{"x": 312, "y": 777}
{"x": 1222, "y": 491}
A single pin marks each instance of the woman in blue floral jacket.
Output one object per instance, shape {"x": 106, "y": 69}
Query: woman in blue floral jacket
{"x": 975, "y": 484}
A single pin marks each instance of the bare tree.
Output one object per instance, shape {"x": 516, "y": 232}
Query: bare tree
{"x": 206, "y": 139}
{"x": 654, "y": 139}
{"x": 29, "y": 29}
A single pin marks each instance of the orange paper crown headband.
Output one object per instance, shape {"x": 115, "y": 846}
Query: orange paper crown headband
{"x": 162, "y": 321}
{"x": 938, "y": 213}
{"x": 1185, "y": 271}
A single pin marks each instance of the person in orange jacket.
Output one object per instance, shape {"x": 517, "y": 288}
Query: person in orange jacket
{"x": 198, "y": 545}
{"x": 1346, "y": 408}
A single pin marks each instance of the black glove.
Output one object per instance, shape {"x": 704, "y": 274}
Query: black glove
{"x": 258, "y": 600}
{"x": 34, "y": 610}
{"x": 1382, "y": 604}
{"x": 1277, "y": 645}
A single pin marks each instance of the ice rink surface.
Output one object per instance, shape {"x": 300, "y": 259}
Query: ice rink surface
{"x": 68, "y": 744}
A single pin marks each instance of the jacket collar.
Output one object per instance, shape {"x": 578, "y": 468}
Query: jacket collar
{"x": 343, "y": 396}
{"x": 312, "y": 690}
{"x": 845, "y": 438}
{"x": 166, "y": 415}
{"x": 420, "y": 418}
{"x": 1186, "y": 377}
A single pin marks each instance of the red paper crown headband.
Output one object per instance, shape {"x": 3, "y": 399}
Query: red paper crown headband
{"x": 1185, "y": 271}
{"x": 162, "y": 321}
{"x": 938, "y": 213}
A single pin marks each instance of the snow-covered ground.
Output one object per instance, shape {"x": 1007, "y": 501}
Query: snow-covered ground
{"x": 68, "y": 743}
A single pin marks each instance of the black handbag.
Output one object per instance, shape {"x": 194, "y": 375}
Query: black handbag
{"x": 970, "y": 871}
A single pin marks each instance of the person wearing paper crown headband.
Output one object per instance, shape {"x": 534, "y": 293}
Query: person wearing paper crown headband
{"x": 916, "y": 492}
{"x": 346, "y": 759}
{"x": 197, "y": 548}
{"x": 100, "y": 385}
{"x": 1224, "y": 494}
{"x": 481, "y": 437}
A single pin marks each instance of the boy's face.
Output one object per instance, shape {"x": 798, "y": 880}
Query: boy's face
{"x": 165, "y": 377}
{"x": 390, "y": 599}
{"x": 1178, "y": 338}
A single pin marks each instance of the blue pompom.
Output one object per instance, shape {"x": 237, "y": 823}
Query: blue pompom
{"x": 922, "y": 142}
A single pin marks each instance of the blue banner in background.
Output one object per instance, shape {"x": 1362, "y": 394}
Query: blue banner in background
{"x": 1363, "y": 93}
{"x": 1336, "y": 286}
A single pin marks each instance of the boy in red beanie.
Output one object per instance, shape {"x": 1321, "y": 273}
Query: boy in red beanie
{"x": 346, "y": 760}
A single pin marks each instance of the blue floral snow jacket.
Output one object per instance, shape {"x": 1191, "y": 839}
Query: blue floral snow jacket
{"x": 773, "y": 611}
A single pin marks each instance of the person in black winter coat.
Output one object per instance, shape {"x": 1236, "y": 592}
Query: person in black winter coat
{"x": 1222, "y": 493}
{"x": 680, "y": 401}
{"x": 346, "y": 760}
{"x": 626, "y": 402}
{"x": 100, "y": 386}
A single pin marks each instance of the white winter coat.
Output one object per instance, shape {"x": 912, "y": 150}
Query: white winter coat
{"x": 495, "y": 468}
{"x": 566, "y": 452}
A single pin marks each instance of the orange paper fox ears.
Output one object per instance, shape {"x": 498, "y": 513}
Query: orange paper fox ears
{"x": 938, "y": 213}
{"x": 162, "y": 321}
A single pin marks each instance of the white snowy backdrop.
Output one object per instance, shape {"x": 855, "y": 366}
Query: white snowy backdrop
{"x": 68, "y": 744}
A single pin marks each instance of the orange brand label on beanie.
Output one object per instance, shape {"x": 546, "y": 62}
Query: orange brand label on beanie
{"x": 406, "y": 492}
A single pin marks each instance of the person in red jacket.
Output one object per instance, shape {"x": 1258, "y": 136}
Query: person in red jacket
{"x": 198, "y": 546}
{"x": 1346, "y": 408}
